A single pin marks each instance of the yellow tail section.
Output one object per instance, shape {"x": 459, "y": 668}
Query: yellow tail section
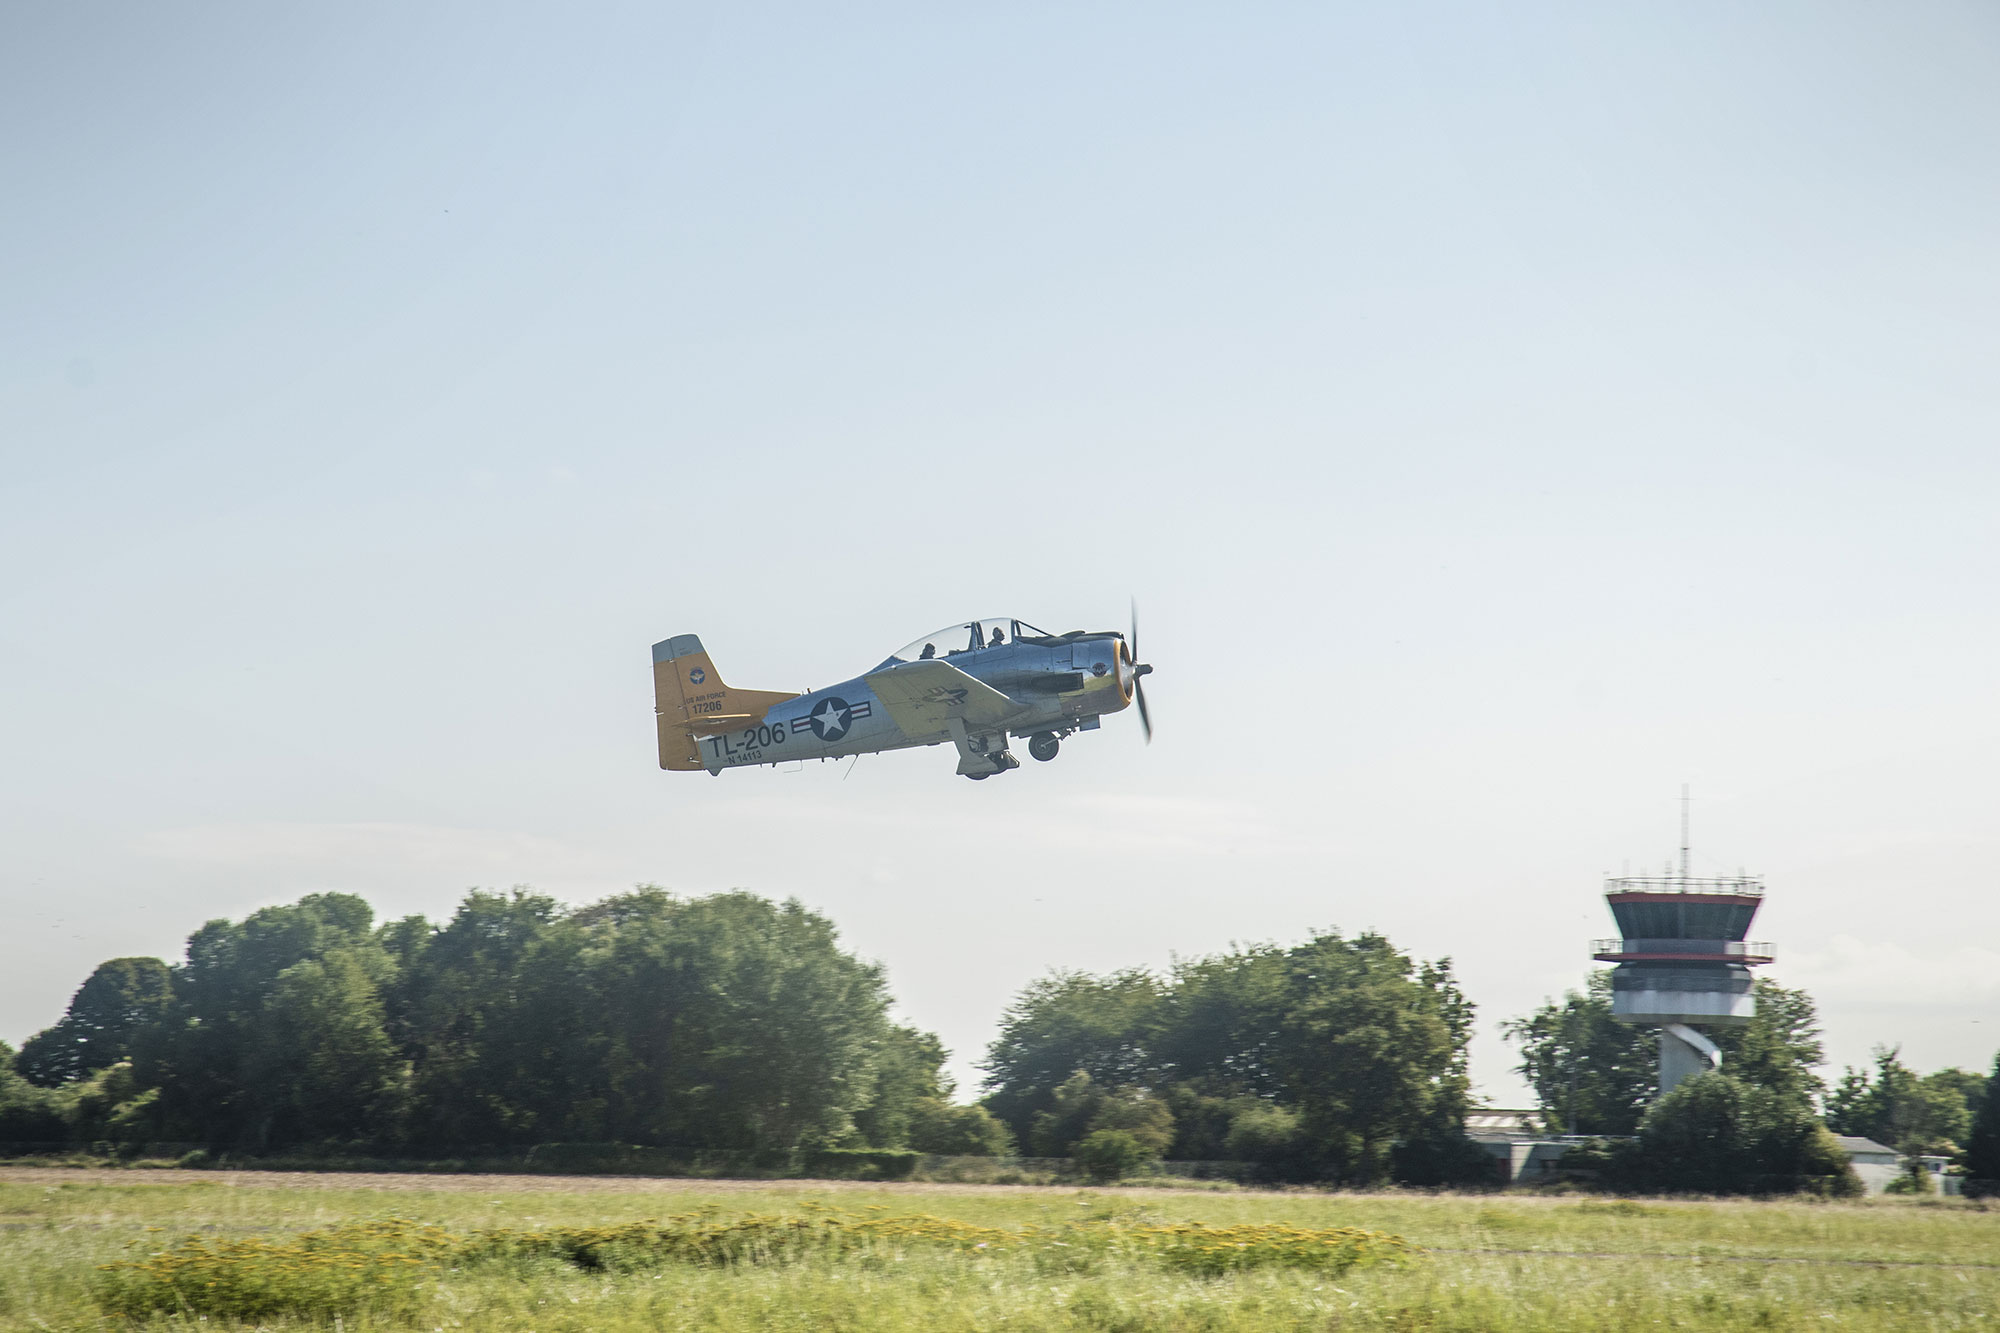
{"x": 690, "y": 701}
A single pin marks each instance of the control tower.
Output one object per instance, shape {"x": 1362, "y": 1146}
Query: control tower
{"x": 1683, "y": 960}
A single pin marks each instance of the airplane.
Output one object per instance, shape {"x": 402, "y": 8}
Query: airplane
{"x": 974, "y": 684}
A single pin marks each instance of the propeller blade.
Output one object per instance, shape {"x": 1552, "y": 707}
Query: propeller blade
{"x": 1139, "y": 672}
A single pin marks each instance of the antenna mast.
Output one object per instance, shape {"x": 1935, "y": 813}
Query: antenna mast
{"x": 1684, "y": 832}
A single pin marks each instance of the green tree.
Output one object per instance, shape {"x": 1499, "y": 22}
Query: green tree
{"x": 1263, "y": 1133}
{"x": 1779, "y": 1048}
{"x": 908, "y": 1081}
{"x": 1073, "y": 1104}
{"x": 322, "y": 1065}
{"x": 212, "y": 1054}
{"x": 719, "y": 1022}
{"x": 1136, "y": 1112}
{"x": 1938, "y": 1117}
{"x": 1112, "y": 1154}
{"x": 937, "y": 1126}
{"x": 28, "y": 1114}
{"x": 731, "y": 1021}
{"x": 1893, "y": 1106}
{"x": 1715, "y": 1134}
{"x": 1969, "y": 1087}
{"x": 113, "y": 1004}
{"x": 1591, "y": 1074}
{"x": 1371, "y": 1049}
{"x": 494, "y": 1012}
{"x": 1218, "y": 1022}
{"x": 1982, "y": 1144}
{"x": 1068, "y": 1023}
{"x": 110, "y": 1107}
{"x": 1362, "y": 1045}
{"x": 1865, "y": 1103}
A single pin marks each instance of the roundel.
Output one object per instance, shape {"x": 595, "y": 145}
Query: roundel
{"x": 697, "y": 676}
{"x": 831, "y": 719}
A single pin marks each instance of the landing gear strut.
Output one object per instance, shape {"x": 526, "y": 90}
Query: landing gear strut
{"x": 1044, "y": 745}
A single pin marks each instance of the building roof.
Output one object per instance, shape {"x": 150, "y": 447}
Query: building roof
{"x": 1488, "y": 1120}
{"x": 1854, "y": 1143}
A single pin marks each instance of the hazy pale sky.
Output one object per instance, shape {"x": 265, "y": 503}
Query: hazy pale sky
{"x": 1503, "y": 414}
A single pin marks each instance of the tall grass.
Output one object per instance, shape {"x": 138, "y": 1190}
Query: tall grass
{"x": 380, "y": 1267}
{"x": 490, "y": 1255}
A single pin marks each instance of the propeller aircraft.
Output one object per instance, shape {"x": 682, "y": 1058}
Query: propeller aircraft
{"x": 974, "y": 684}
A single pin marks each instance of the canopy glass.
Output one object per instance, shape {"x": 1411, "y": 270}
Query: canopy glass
{"x": 967, "y": 637}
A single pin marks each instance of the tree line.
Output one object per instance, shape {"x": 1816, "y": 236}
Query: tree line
{"x": 1336, "y": 1059}
{"x": 724, "y": 1022}
{"x": 733, "y": 1023}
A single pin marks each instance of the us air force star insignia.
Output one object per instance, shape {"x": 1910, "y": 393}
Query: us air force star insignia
{"x": 833, "y": 718}
{"x": 697, "y": 675}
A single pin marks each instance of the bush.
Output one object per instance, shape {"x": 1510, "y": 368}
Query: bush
{"x": 28, "y": 1114}
{"x": 1444, "y": 1157}
{"x": 860, "y": 1163}
{"x": 1112, "y": 1154}
{"x": 1914, "y": 1178}
{"x": 1140, "y": 1114}
{"x": 1211, "y": 1251}
{"x": 372, "y": 1267}
{"x": 1262, "y": 1134}
{"x": 1715, "y": 1135}
{"x": 959, "y": 1131}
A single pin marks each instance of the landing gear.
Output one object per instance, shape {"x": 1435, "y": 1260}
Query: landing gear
{"x": 980, "y": 754}
{"x": 1044, "y": 745}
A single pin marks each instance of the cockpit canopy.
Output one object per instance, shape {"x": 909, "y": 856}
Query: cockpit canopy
{"x": 968, "y": 636}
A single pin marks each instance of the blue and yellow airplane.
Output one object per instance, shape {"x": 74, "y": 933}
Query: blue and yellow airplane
{"x": 973, "y": 684}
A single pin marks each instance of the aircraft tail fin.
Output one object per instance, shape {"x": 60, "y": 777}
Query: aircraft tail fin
{"x": 690, "y": 701}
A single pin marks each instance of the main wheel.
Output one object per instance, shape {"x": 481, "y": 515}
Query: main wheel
{"x": 1044, "y": 745}
{"x": 979, "y": 777}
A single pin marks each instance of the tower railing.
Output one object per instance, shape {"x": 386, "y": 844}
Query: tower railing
{"x": 1635, "y": 950}
{"x": 1748, "y": 888}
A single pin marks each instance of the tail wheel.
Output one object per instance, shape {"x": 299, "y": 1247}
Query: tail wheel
{"x": 1044, "y": 746}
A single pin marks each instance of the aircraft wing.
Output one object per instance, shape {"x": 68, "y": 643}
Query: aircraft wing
{"x": 923, "y": 696}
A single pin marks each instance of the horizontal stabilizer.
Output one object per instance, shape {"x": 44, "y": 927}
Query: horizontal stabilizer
{"x": 924, "y": 696}
{"x": 714, "y": 724}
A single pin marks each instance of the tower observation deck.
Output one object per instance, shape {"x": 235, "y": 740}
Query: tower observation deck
{"x": 1684, "y": 957}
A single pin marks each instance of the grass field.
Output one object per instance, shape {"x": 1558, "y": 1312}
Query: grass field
{"x": 1486, "y": 1262}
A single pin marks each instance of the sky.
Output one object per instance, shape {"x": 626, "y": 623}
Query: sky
{"x": 1502, "y": 415}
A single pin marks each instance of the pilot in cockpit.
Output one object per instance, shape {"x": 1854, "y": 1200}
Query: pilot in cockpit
{"x": 930, "y": 651}
{"x": 999, "y": 637}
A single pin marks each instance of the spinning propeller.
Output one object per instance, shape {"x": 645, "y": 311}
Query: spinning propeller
{"x": 1140, "y": 670}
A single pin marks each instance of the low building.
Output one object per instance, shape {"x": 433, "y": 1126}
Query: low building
{"x": 1875, "y": 1164}
{"x": 1522, "y": 1153}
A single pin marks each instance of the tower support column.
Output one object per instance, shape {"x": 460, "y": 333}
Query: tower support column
{"x": 1684, "y": 1053}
